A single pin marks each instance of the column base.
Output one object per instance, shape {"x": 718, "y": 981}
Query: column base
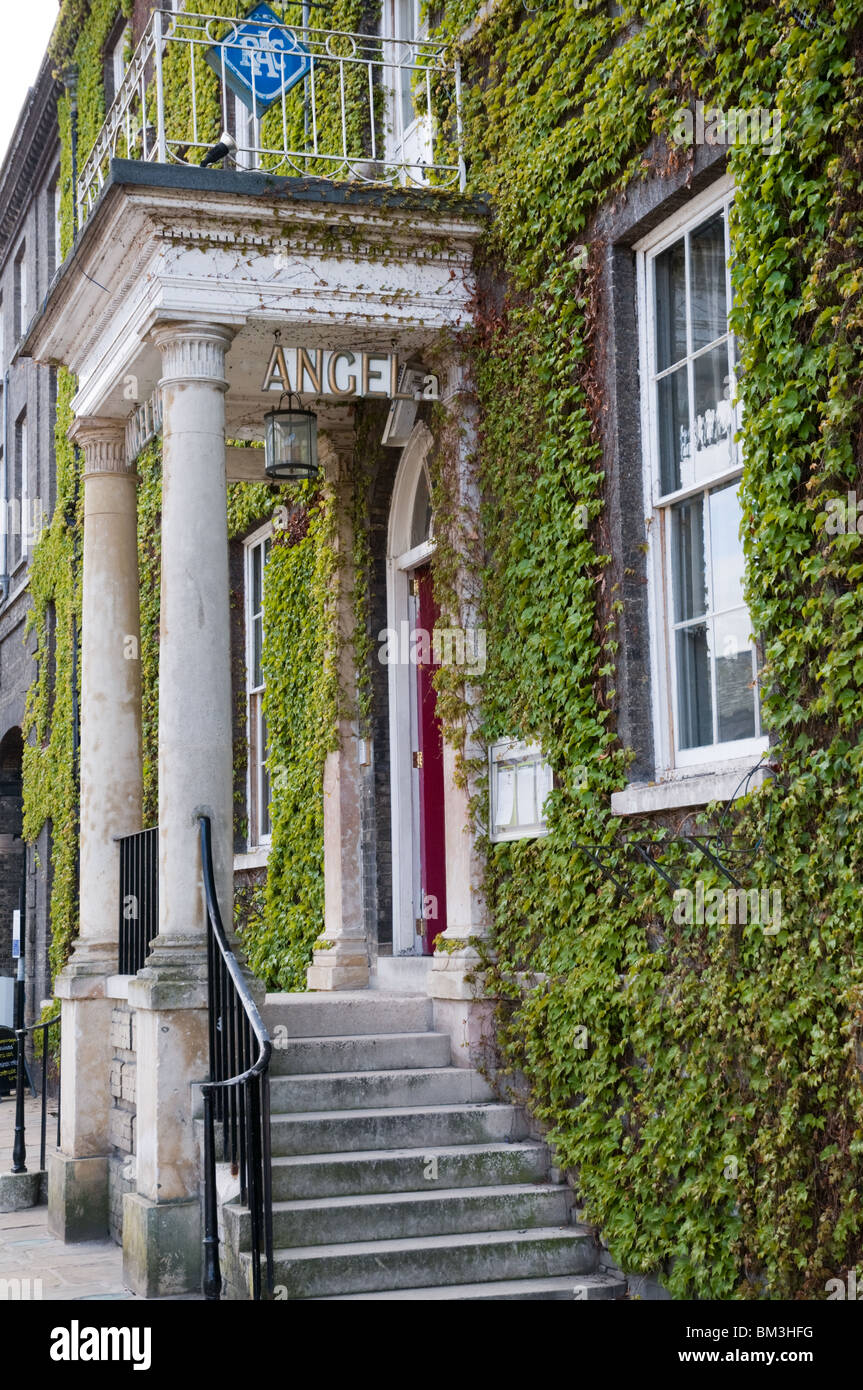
{"x": 460, "y": 1009}
{"x": 340, "y": 965}
{"x": 78, "y": 1197}
{"x": 161, "y": 1246}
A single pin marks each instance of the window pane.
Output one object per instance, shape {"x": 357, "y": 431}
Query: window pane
{"x": 694, "y": 704}
{"x": 688, "y": 570}
{"x": 670, "y": 282}
{"x": 726, "y": 549}
{"x": 708, "y": 308}
{"x": 421, "y": 519}
{"x": 735, "y": 693}
{"x": 257, "y": 589}
{"x": 714, "y": 423}
{"x": 526, "y": 793}
{"x": 257, "y": 645}
{"x": 265, "y": 780}
{"x": 674, "y": 444}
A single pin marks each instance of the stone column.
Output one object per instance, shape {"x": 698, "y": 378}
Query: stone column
{"x": 161, "y": 1221}
{"x": 343, "y": 960}
{"x": 459, "y": 1008}
{"x": 110, "y": 805}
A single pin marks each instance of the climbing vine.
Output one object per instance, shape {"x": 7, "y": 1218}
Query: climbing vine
{"x": 713, "y": 1122}
{"x": 700, "y": 1082}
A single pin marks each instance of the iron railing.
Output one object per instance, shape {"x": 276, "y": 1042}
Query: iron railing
{"x": 139, "y": 898}
{"x": 368, "y": 107}
{"x": 237, "y": 1096}
{"x": 19, "y": 1144}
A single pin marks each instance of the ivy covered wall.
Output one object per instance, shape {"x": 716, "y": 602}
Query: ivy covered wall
{"x": 714, "y": 1121}
{"x": 702, "y": 1083}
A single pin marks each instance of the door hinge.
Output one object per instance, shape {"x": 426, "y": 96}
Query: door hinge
{"x": 420, "y": 925}
{"x": 415, "y": 587}
{"x": 418, "y": 758}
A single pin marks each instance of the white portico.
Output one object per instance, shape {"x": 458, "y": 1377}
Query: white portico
{"x": 177, "y": 285}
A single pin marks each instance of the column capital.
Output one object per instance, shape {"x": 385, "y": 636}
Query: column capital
{"x": 193, "y": 352}
{"x": 104, "y": 443}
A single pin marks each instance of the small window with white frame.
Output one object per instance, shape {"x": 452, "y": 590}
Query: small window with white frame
{"x": 257, "y": 552}
{"x": 408, "y": 131}
{"x": 704, "y": 669}
{"x": 520, "y": 780}
{"x": 115, "y": 66}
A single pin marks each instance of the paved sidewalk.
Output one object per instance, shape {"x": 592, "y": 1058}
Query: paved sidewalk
{"x": 28, "y": 1251}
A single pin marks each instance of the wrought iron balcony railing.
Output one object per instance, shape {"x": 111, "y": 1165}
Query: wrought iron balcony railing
{"x": 295, "y": 100}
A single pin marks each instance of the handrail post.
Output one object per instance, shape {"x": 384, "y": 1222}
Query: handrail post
{"x": 212, "y": 1282}
{"x": 19, "y": 1149}
{"x": 44, "y": 1117}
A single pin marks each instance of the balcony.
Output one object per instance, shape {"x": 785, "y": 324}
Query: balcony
{"x": 295, "y": 100}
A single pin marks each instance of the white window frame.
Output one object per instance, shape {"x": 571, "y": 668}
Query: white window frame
{"x": 670, "y": 761}
{"x": 411, "y": 143}
{"x": 19, "y": 548}
{"x": 21, "y": 295}
{"x": 55, "y": 211}
{"x": 254, "y": 698}
{"x": 515, "y": 753}
{"x": 117, "y": 54}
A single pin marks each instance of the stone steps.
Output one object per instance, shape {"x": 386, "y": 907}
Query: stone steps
{"x": 404, "y": 1215}
{"x": 322, "y": 1271}
{"x": 415, "y": 1126}
{"x": 350, "y": 1014}
{"x": 581, "y": 1286}
{"x": 377, "y": 1089}
{"x": 360, "y": 1052}
{"x": 397, "y": 1175}
{"x": 400, "y": 1170}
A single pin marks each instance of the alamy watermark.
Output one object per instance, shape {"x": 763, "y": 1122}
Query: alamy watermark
{"x": 735, "y": 906}
{"x": 446, "y": 646}
{"x": 714, "y": 125}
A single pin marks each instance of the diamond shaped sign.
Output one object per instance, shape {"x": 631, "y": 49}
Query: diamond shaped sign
{"x": 261, "y": 60}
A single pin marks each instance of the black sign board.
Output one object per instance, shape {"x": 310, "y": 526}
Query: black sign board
{"x": 8, "y": 1059}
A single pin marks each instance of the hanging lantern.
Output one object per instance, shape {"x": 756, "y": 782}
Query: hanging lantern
{"x": 291, "y": 442}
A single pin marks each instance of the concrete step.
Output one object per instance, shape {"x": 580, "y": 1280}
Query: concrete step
{"x": 412, "y": 1127}
{"x": 401, "y": 1216}
{"x": 320, "y": 1271}
{"x": 348, "y": 1014}
{"x": 401, "y": 1170}
{"x": 375, "y": 1090}
{"x": 363, "y": 1052}
{"x": 586, "y": 1287}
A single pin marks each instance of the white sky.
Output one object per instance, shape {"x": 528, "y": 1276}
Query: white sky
{"x": 24, "y": 36}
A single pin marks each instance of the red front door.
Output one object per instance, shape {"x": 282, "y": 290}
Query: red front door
{"x": 429, "y": 762}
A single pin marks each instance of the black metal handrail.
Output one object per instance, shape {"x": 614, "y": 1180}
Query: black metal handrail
{"x": 19, "y": 1144}
{"x": 237, "y": 1094}
{"x": 139, "y": 898}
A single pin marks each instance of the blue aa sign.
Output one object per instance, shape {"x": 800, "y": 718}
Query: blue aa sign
{"x": 261, "y": 59}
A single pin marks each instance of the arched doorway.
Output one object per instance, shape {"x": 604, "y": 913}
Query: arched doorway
{"x": 416, "y": 746}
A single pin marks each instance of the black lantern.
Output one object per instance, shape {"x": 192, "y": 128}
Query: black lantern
{"x": 291, "y": 442}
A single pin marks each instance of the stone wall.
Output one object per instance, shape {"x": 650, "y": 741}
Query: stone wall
{"x": 122, "y": 1120}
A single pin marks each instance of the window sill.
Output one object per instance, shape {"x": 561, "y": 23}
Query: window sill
{"x": 254, "y": 859}
{"x": 695, "y": 787}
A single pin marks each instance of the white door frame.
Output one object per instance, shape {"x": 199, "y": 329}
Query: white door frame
{"x": 401, "y": 560}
